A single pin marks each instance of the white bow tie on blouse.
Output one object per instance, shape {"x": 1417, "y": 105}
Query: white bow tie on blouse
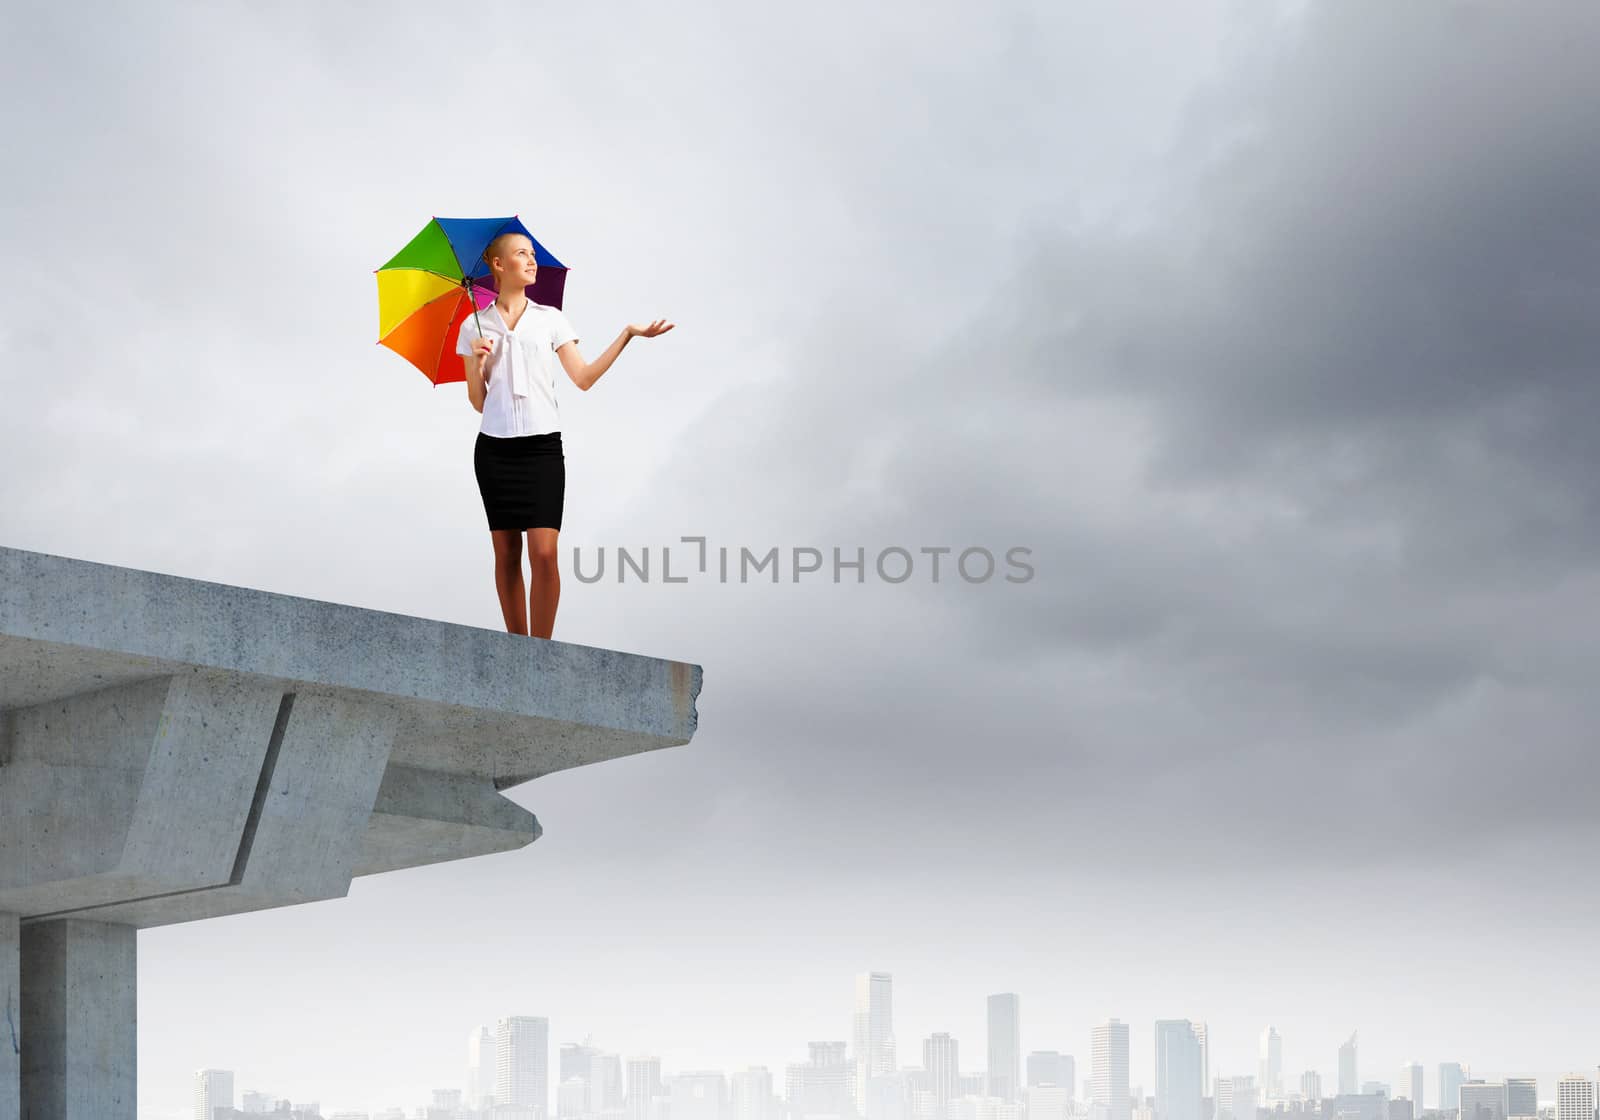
{"x": 521, "y": 378}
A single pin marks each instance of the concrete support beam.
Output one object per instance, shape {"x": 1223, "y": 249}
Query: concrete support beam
{"x": 305, "y": 819}
{"x": 428, "y": 816}
{"x": 79, "y": 1028}
{"x": 134, "y": 791}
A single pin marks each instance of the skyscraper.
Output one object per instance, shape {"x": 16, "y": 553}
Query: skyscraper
{"x": 941, "y": 1059}
{"x": 572, "y": 1098}
{"x": 1483, "y": 1100}
{"x": 698, "y": 1095}
{"x": 605, "y": 1083}
{"x": 1411, "y": 1078}
{"x": 1349, "y": 1084}
{"x": 644, "y": 1086}
{"x": 1048, "y": 1102}
{"x": 1522, "y": 1096}
{"x": 522, "y": 1062}
{"x": 872, "y": 1029}
{"x": 1111, "y": 1072}
{"x": 1451, "y": 1077}
{"x": 824, "y": 1086}
{"x": 573, "y": 1061}
{"x": 752, "y": 1095}
{"x": 213, "y": 1089}
{"x": 1311, "y": 1085}
{"x": 1202, "y": 1034}
{"x": 1051, "y": 1067}
{"x": 1269, "y": 1071}
{"x": 480, "y": 1066}
{"x": 1222, "y": 1098}
{"x": 1575, "y": 1097}
{"x": 1244, "y": 1098}
{"x": 1005, "y": 1046}
{"x": 1179, "y": 1084}
{"x": 894, "y": 1096}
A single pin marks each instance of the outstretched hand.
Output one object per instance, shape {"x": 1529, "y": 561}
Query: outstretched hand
{"x": 649, "y": 330}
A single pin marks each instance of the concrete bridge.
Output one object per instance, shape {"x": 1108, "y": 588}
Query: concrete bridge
{"x": 172, "y": 750}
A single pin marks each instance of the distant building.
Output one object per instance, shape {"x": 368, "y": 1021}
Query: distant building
{"x": 941, "y": 1058}
{"x": 1269, "y": 1073}
{"x": 1049, "y": 1102}
{"x": 1050, "y": 1067}
{"x": 1522, "y": 1096}
{"x": 1483, "y": 1100}
{"x": 644, "y": 1086}
{"x": 699, "y": 1095}
{"x": 752, "y": 1097}
{"x": 213, "y": 1089}
{"x": 1005, "y": 1047}
{"x": 480, "y": 1067}
{"x": 1575, "y": 1097}
{"x": 1348, "y": 1081}
{"x": 1451, "y": 1078}
{"x": 1179, "y": 1088}
{"x": 872, "y": 1024}
{"x": 889, "y": 1097}
{"x": 822, "y": 1087}
{"x": 1222, "y": 1095}
{"x": 1245, "y": 1098}
{"x": 605, "y": 1083}
{"x": 522, "y": 1063}
{"x": 1110, "y": 1067}
{"x": 1412, "y": 1077}
{"x": 1311, "y": 1086}
{"x": 572, "y": 1098}
{"x": 1356, "y": 1106}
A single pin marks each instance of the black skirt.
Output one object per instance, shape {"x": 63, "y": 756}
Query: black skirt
{"x": 523, "y": 480}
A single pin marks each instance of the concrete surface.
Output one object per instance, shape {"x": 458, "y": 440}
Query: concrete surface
{"x": 10, "y": 1019}
{"x": 79, "y": 1002}
{"x": 173, "y": 749}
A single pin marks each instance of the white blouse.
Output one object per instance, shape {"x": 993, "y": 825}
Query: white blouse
{"x": 520, "y": 386}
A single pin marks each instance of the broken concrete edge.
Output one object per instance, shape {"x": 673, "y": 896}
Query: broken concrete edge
{"x": 177, "y": 620}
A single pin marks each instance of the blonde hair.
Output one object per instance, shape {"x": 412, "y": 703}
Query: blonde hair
{"x": 492, "y": 249}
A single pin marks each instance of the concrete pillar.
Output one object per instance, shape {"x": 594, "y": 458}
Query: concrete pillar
{"x": 10, "y": 1020}
{"x": 79, "y": 1020}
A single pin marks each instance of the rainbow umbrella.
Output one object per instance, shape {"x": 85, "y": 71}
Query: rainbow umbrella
{"x": 428, "y": 289}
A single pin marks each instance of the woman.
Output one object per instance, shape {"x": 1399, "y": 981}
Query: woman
{"x": 510, "y": 349}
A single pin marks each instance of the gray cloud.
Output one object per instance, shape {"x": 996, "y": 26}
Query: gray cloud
{"x": 1302, "y": 459}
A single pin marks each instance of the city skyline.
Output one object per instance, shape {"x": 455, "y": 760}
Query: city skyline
{"x": 523, "y": 1046}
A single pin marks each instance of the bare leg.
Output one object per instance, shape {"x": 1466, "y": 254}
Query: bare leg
{"x": 545, "y": 591}
{"x": 508, "y": 578}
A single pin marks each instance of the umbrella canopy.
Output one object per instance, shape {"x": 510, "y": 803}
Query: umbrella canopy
{"x": 427, "y": 290}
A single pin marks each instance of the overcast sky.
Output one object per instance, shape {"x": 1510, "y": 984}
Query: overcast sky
{"x": 1270, "y": 330}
